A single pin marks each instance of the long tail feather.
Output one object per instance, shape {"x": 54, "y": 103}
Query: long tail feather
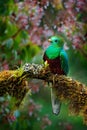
{"x": 56, "y": 104}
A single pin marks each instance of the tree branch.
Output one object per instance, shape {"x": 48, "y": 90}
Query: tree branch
{"x": 15, "y": 83}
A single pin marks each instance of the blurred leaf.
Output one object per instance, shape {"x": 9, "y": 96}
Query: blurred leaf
{"x": 29, "y": 50}
{"x": 4, "y": 7}
{"x": 24, "y": 34}
{"x": 3, "y": 25}
{"x": 82, "y": 17}
{"x": 2, "y": 99}
{"x": 9, "y": 43}
{"x": 7, "y": 110}
{"x": 11, "y": 28}
{"x": 17, "y": 113}
{"x": 78, "y": 68}
{"x": 38, "y": 58}
{"x": 58, "y": 4}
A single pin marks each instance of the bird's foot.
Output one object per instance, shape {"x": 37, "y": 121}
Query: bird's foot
{"x": 46, "y": 65}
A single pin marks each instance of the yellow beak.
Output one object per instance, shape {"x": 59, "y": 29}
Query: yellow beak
{"x": 49, "y": 40}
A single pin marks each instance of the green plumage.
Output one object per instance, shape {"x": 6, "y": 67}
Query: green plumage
{"x": 56, "y": 56}
{"x": 57, "y": 59}
{"x": 52, "y": 52}
{"x": 64, "y": 61}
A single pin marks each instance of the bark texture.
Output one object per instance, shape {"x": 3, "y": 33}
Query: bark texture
{"x": 14, "y": 82}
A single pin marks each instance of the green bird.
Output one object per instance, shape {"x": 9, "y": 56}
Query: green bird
{"x": 57, "y": 59}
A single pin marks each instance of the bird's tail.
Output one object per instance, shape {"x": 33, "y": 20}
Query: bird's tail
{"x": 56, "y": 104}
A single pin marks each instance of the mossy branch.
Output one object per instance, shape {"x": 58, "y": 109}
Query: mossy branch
{"x": 15, "y": 83}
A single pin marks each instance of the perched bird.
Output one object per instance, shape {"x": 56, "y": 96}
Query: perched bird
{"x": 57, "y": 59}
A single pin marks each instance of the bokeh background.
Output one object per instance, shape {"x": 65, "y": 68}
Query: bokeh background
{"x": 25, "y": 26}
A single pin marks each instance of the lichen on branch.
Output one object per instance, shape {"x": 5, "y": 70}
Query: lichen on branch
{"x": 15, "y": 83}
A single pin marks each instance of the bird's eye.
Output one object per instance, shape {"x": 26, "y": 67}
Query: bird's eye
{"x": 56, "y": 40}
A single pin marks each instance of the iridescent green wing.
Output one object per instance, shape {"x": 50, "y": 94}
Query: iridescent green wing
{"x": 64, "y": 61}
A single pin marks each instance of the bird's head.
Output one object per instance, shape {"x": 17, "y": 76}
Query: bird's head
{"x": 56, "y": 41}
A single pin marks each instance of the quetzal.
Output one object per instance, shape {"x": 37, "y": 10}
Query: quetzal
{"x": 57, "y": 59}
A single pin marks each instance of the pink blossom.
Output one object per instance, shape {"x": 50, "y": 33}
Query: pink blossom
{"x": 45, "y": 44}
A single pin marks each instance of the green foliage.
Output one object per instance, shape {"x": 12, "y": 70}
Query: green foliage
{"x": 29, "y": 50}
{"x": 5, "y": 7}
{"x": 3, "y": 26}
{"x": 78, "y": 66}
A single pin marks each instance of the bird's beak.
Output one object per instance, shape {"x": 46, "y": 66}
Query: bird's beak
{"x": 49, "y": 40}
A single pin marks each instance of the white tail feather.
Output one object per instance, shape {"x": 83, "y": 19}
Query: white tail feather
{"x": 55, "y": 102}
